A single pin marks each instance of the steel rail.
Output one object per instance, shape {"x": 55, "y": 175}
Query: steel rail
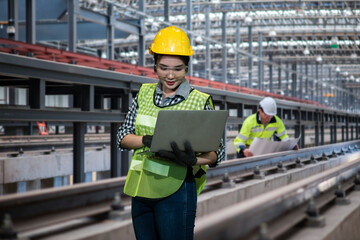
{"x": 50, "y": 206}
{"x": 247, "y": 165}
{"x": 252, "y": 213}
{"x": 23, "y": 208}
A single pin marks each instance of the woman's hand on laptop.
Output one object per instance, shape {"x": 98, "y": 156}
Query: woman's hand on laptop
{"x": 146, "y": 140}
{"x": 184, "y": 158}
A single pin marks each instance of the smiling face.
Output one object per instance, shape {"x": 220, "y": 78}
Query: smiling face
{"x": 171, "y": 72}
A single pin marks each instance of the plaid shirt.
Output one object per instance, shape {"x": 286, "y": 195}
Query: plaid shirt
{"x": 182, "y": 93}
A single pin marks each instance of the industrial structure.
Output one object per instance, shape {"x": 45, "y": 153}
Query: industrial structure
{"x": 69, "y": 70}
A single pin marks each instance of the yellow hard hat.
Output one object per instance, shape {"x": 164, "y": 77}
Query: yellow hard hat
{"x": 172, "y": 41}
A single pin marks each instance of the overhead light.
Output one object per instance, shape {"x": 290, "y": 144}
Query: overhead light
{"x": 306, "y": 51}
{"x": 352, "y": 78}
{"x": 357, "y": 28}
{"x": 199, "y": 39}
{"x": 248, "y": 20}
{"x": 347, "y": 12}
{"x": 272, "y": 33}
{"x": 346, "y": 73}
{"x": 334, "y": 40}
{"x": 337, "y": 69}
{"x": 231, "y": 50}
{"x": 10, "y": 30}
{"x": 353, "y": 56}
{"x": 195, "y": 61}
{"x": 318, "y": 58}
{"x": 133, "y": 61}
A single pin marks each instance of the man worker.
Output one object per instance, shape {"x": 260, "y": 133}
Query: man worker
{"x": 263, "y": 124}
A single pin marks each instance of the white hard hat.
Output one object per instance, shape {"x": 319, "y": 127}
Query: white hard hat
{"x": 268, "y": 105}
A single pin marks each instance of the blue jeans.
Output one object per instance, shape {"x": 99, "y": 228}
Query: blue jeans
{"x": 172, "y": 217}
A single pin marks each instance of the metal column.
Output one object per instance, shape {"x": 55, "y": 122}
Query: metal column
{"x": 312, "y": 82}
{"x": 30, "y": 22}
{"x": 279, "y": 75}
{"x": 114, "y": 152}
{"x": 110, "y": 32}
{"x": 142, "y": 41}
{"x": 125, "y": 156}
{"x": 287, "y": 76}
{"x": 301, "y": 82}
{"x": 167, "y": 11}
{"x": 13, "y": 20}
{"x": 322, "y": 125}
{"x": 224, "y": 48}
{"x": 270, "y": 74}
{"x": 335, "y": 128}
{"x": 72, "y": 6}
{"x": 37, "y": 93}
{"x": 347, "y": 127}
{"x": 298, "y": 126}
{"x": 237, "y": 53}
{"x": 189, "y": 27}
{"x": 207, "y": 44}
{"x": 317, "y": 120}
{"x": 307, "y": 80}
{"x": 317, "y": 81}
{"x": 115, "y": 163}
{"x": 249, "y": 85}
{"x": 260, "y": 63}
{"x": 87, "y": 98}
{"x": 79, "y": 152}
{"x": 293, "y": 78}
{"x": 320, "y": 81}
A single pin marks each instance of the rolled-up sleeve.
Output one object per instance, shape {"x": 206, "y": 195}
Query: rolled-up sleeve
{"x": 128, "y": 127}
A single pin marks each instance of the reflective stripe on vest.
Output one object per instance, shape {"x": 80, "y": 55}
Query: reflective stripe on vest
{"x": 150, "y": 176}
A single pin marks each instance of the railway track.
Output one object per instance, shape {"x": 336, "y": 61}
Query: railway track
{"x": 42, "y": 213}
{"x": 16, "y": 144}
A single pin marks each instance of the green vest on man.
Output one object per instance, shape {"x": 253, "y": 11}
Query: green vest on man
{"x": 263, "y": 124}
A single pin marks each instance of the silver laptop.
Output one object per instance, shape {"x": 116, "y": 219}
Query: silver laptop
{"x": 202, "y": 128}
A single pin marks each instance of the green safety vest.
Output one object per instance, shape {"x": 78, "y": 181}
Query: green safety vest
{"x": 150, "y": 176}
{"x": 253, "y": 127}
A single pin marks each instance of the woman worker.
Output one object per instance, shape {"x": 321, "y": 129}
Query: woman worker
{"x": 164, "y": 187}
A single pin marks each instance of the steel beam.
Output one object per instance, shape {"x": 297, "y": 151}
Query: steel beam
{"x": 55, "y": 115}
{"x": 20, "y": 66}
{"x": 98, "y": 18}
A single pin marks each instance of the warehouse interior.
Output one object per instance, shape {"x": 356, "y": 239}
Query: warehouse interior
{"x": 70, "y": 70}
